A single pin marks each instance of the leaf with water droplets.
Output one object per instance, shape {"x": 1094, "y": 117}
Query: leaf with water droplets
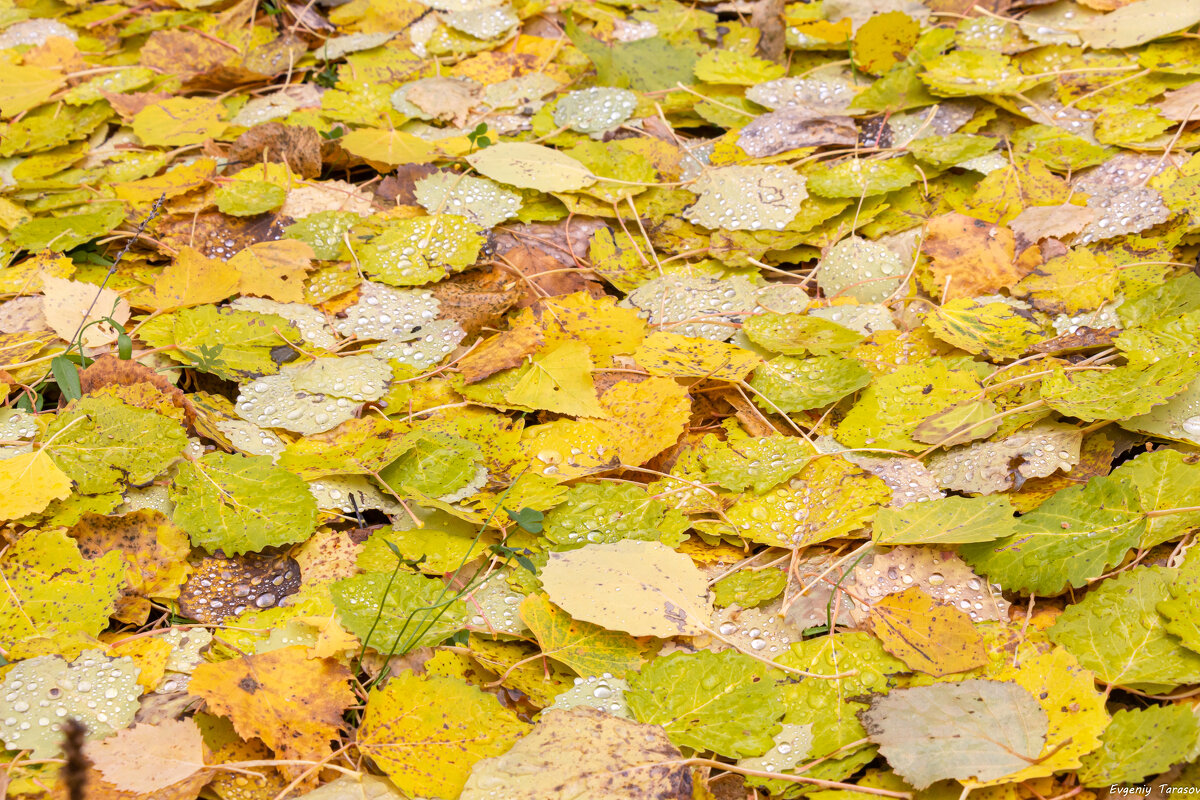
{"x": 101, "y": 440}
{"x": 725, "y": 702}
{"x": 39, "y": 693}
{"x": 396, "y": 615}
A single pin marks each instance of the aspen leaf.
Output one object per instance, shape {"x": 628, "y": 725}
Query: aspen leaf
{"x": 29, "y": 482}
{"x": 583, "y": 752}
{"x": 291, "y": 702}
{"x": 531, "y": 166}
{"x": 931, "y": 638}
{"x": 446, "y": 724}
{"x": 646, "y": 588}
{"x": 149, "y": 758}
{"x": 974, "y": 729}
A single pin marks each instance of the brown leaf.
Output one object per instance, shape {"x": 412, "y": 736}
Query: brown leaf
{"x": 401, "y": 188}
{"x": 792, "y": 129}
{"x": 1039, "y": 222}
{"x": 110, "y": 371}
{"x": 219, "y": 236}
{"x": 221, "y": 587}
{"x": 298, "y": 146}
{"x": 150, "y": 758}
{"x": 1082, "y": 338}
{"x": 1181, "y": 104}
{"x": 529, "y": 263}
{"x": 477, "y": 299}
{"x": 767, "y": 16}
{"x": 185, "y": 54}
{"x": 502, "y": 351}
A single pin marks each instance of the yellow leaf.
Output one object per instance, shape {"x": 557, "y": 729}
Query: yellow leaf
{"x": 179, "y": 121}
{"x": 155, "y": 552}
{"x": 172, "y": 183}
{"x": 1067, "y": 693}
{"x": 291, "y": 702}
{"x": 28, "y": 482}
{"x": 387, "y": 147}
{"x": 559, "y": 381}
{"x": 597, "y": 322}
{"x": 643, "y": 419}
{"x": 150, "y": 653}
{"x": 24, "y": 88}
{"x": 193, "y": 280}
{"x": 677, "y": 356}
{"x": 274, "y": 269}
{"x": 933, "y": 638}
{"x": 426, "y": 733}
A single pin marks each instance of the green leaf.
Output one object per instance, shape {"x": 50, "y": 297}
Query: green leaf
{"x": 725, "y": 702}
{"x": 436, "y": 464}
{"x": 1075, "y": 536}
{"x": 245, "y": 198}
{"x": 100, "y": 441}
{"x": 52, "y": 590}
{"x": 975, "y": 71}
{"x": 413, "y": 252}
{"x": 66, "y": 375}
{"x": 606, "y": 513}
{"x": 791, "y": 384}
{"x": 797, "y": 334}
{"x": 949, "y": 520}
{"x": 249, "y": 344}
{"x": 645, "y": 65}
{"x": 1164, "y": 480}
{"x": 1116, "y": 632}
{"x": 894, "y": 404}
{"x": 396, "y": 614}
{"x": 761, "y": 462}
{"x": 588, "y": 649}
{"x": 749, "y": 588}
{"x": 64, "y": 233}
{"x": 1140, "y": 742}
{"x": 832, "y": 704}
{"x": 1180, "y": 610}
{"x": 855, "y": 177}
{"x": 1126, "y": 391}
{"x": 238, "y": 504}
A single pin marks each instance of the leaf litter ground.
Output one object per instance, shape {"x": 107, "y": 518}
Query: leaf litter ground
{"x": 503, "y": 399}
